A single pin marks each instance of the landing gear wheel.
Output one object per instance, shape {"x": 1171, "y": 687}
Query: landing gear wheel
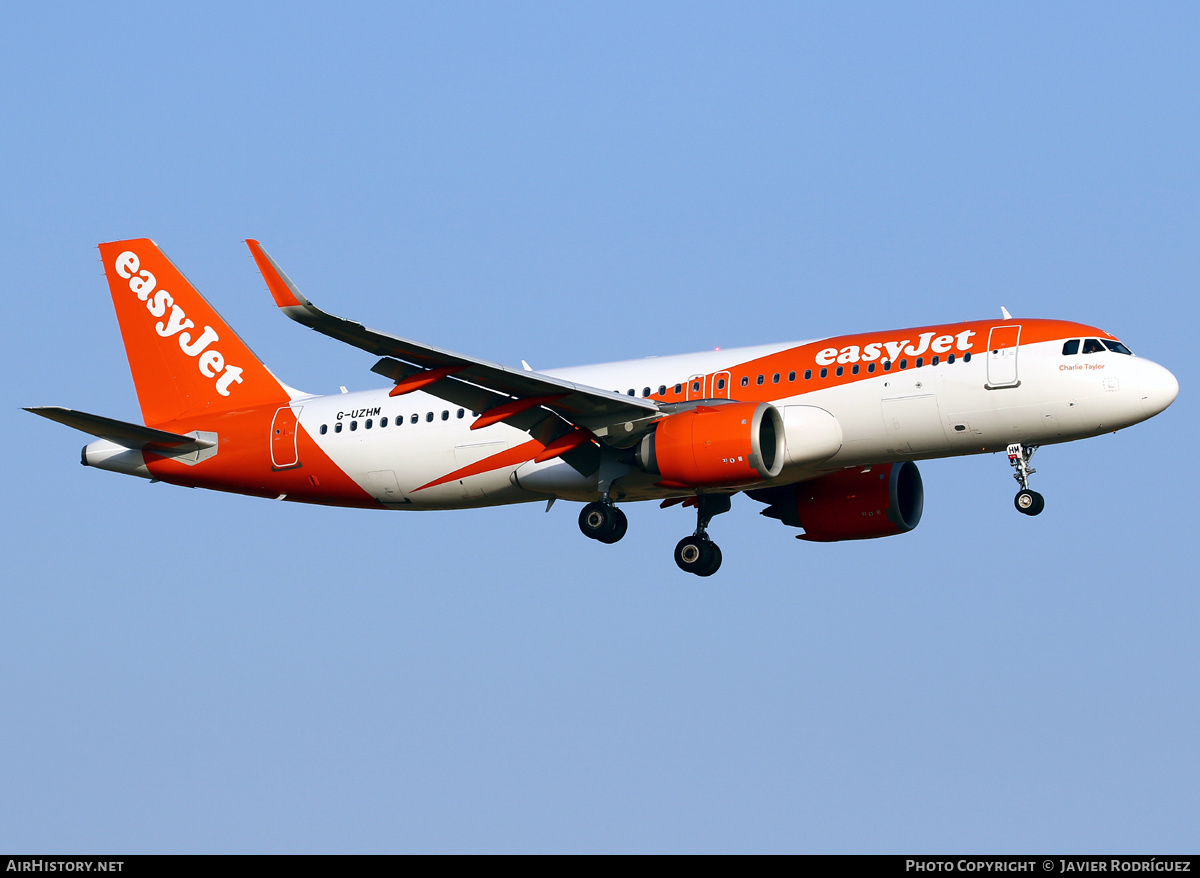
{"x": 619, "y": 531}
{"x": 1029, "y": 502}
{"x": 600, "y": 521}
{"x": 715, "y": 564}
{"x": 698, "y": 555}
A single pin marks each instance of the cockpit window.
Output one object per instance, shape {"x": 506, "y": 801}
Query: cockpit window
{"x": 1092, "y": 346}
{"x": 1117, "y": 348}
{"x": 1071, "y": 348}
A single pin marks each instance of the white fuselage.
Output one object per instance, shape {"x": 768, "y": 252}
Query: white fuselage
{"x": 917, "y": 413}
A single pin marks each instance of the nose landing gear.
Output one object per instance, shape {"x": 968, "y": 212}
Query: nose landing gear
{"x": 698, "y": 554}
{"x": 1027, "y": 502}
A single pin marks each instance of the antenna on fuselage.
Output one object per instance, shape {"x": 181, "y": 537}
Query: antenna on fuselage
{"x": 1004, "y": 311}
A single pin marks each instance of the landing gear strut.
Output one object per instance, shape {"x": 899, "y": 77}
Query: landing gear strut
{"x": 1027, "y": 501}
{"x": 698, "y": 554}
{"x": 603, "y": 521}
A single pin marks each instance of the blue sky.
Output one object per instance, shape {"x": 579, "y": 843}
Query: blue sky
{"x": 570, "y": 183}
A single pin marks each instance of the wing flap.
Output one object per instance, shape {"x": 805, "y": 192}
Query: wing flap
{"x": 535, "y": 420}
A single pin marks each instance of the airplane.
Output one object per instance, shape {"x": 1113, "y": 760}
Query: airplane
{"x": 825, "y": 433}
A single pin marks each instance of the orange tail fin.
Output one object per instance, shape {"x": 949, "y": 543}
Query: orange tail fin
{"x": 184, "y": 358}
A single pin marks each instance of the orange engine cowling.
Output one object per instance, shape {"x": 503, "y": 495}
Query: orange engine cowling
{"x": 851, "y": 504}
{"x": 733, "y": 444}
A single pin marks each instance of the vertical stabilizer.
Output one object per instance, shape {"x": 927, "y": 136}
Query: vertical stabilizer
{"x": 184, "y": 358}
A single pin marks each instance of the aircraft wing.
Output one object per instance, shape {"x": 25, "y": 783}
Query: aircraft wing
{"x": 133, "y": 436}
{"x": 459, "y": 378}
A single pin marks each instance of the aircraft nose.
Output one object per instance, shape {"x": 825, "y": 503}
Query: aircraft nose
{"x": 1159, "y": 389}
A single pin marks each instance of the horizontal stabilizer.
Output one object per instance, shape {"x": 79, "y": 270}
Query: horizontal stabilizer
{"x": 133, "y": 436}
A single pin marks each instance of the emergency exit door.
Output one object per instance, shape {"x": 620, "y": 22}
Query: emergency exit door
{"x": 720, "y": 386}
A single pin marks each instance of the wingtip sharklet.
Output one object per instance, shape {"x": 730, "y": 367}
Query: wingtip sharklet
{"x": 283, "y": 291}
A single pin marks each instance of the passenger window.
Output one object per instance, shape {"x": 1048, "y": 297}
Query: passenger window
{"x": 369, "y": 423}
{"x": 887, "y": 365}
{"x": 720, "y": 384}
{"x": 791, "y": 376}
{"x": 870, "y": 367}
{"x": 461, "y": 413}
{"x": 324, "y": 429}
{"x": 1092, "y": 346}
{"x": 840, "y": 370}
{"x": 337, "y": 428}
{"x": 1117, "y": 348}
{"x": 936, "y": 359}
{"x": 745, "y": 380}
{"x": 382, "y": 423}
{"x": 445, "y": 414}
{"x": 775, "y": 378}
{"x": 679, "y": 387}
{"x": 950, "y": 359}
{"x": 904, "y": 364}
{"x": 920, "y": 362}
{"x": 662, "y": 390}
{"x": 807, "y": 374}
{"x": 631, "y": 392}
{"x": 645, "y": 391}
{"x": 967, "y": 357}
{"x": 695, "y": 387}
{"x": 353, "y": 426}
{"x": 1071, "y": 348}
{"x": 824, "y": 373}
{"x": 415, "y": 418}
{"x": 429, "y": 417}
{"x": 854, "y": 369}
{"x": 760, "y": 379}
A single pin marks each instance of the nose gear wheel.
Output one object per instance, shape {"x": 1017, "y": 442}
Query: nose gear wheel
{"x": 1027, "y": 502}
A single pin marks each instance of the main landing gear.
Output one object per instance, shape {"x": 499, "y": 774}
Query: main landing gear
{"x": 1027, "y": 502}
{"x": 698, "y": 554}
{"x": 603, "y": 521}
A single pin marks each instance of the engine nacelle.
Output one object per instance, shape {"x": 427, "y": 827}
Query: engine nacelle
{"x": 851, "y": 504}
{"x": 812, "y": 434}
{"x": 732, "y": 444}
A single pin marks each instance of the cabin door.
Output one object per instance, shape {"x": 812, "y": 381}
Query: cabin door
{"x": 284, "y": 430}
{"x": 1003, "y": 343}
